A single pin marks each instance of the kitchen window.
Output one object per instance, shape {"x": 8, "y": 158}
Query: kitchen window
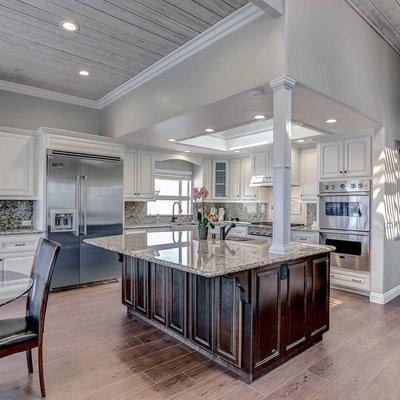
{"x": 170, "y": 188}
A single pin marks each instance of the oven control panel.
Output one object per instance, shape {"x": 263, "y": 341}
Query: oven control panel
{"x": 346, "y": 186}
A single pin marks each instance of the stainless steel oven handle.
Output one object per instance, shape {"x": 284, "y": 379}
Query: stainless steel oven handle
{"x": 77, "y": 217}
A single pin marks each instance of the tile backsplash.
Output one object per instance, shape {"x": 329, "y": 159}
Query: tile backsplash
{"x": 13, "y": 212}
{"x": 136, "y": 213}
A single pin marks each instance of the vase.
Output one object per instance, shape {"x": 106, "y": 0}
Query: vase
{"x": 203, "y": 232}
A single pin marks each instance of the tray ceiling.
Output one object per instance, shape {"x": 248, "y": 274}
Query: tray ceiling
{"x": 116, "y": 40}
{"x": 383, "y": 16}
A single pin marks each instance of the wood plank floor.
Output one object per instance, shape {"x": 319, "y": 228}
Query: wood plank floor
{"x": 93, "y": 351}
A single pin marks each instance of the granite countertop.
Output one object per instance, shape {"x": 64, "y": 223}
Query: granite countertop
{"x": 181, "y": 249}
{"x": 20, "y": 232}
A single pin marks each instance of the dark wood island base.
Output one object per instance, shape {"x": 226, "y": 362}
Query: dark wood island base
{"x": 250, "y": 321}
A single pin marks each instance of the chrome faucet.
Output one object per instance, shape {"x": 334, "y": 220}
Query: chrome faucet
{"x": 224, "y": 233}
{"x": 174, "y": 217}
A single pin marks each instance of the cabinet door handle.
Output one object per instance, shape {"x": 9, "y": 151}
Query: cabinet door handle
{"x": 341, "y": 172}
{"x": 19, "y": 244}
{"x": 345, "y": 172}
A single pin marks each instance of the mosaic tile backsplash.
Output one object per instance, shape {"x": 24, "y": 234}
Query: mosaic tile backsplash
{"x": 136, "y": 213}
{"x": 13, "y": 212}
{"x": 311, "y": 213}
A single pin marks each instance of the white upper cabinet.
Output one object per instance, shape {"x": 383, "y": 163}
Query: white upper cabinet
{"x": 263, "y": 165}
{"x": 235, "y": 179}
{"x": 17, "y": 166}
{"x": 220, "y": 179}
{"x": 138, "y": 175}
{"x": 207, "y": 175}
{"x": 345, "y": 158}
{"x": 145, "y": 175}
{"x": 357, "y": 157}
{"x": 309, "y": 174}
{"x": 248, "y": 192}
{"x": 331, "y": 159}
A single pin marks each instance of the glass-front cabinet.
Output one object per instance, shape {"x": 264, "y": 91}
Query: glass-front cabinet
{"x": 220, "y": 179}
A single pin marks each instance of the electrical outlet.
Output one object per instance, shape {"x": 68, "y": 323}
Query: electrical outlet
{"x": 26, "y": 223}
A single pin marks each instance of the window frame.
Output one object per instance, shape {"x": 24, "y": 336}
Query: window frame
{"x": 179, "y": 176}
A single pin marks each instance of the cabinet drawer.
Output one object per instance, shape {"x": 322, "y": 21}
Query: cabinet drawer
{"x": 305, "y": 237}
{"x": 240, "y": 231}
{"x": 19, "y": 243}
{"x": 350, "y": 280}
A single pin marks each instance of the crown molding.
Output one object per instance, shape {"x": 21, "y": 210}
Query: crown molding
{"x": 47, "y": 94}
{"x": 232, "y": 22}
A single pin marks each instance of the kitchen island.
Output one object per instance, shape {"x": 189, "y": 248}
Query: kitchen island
{"x": 231, "y": 300}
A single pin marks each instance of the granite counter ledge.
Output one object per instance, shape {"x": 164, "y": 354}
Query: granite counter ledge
{"x": 230, "y": 300}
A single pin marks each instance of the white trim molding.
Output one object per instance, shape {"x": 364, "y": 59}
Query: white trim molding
{"x": 231, "y": 23}
{"x": 47, "y": 94}
{"x": 383, "y": 298}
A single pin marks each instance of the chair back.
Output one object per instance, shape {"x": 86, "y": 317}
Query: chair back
{"x": 42, "y": 272}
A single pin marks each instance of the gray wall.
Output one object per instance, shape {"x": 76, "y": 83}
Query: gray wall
{"x": 247, "y": 58}
{"x": 27, "y": 112}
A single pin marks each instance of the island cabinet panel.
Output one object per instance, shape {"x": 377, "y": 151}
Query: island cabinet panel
{"x": 158, "y": 293}
{"x": 227, "y": 320}
{"x": 177, "y": 301}
{"x": 141, "y": 282}
{"x": 295, "y": 304}
{"x": 128, "y": 271}
{"x": 200, "y": 313}
{"x": 267, "y": 319}
{"x": 319, "y": 295}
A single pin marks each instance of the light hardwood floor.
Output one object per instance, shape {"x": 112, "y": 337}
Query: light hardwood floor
{"x": 95, "y": 352}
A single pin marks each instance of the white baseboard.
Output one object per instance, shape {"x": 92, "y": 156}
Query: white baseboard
{"x": 383, "y": 298}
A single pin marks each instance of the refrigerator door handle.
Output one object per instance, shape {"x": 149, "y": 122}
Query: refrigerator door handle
{"x": 77, "y": 222}
{"x": 84, "y": 208}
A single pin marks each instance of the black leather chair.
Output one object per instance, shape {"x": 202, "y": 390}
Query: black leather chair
{"x": 24, "y": 334}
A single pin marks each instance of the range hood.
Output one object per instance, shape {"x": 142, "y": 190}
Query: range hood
{"x": 260, "y": 180}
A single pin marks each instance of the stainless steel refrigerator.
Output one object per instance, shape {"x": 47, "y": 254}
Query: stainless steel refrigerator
{"x": 84, "y": 200}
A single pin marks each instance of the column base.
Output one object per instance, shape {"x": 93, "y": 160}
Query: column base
{"x": 282, "y": 248}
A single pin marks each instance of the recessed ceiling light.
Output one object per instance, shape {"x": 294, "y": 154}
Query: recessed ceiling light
{"x": 331, "y": 121}
{"x": 259, "y": 116}
{"x": 70, "y": 26}
{"x": 187, "y": 151}
{"x": 83, "y": 72}
{"x": 171, "y": 140}
{"x": 300, "y": 141}
{"x": 209, "y": 130}
{"x": 237, "y": 151}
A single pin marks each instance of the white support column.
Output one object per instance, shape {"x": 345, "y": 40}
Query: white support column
{"x": 282, "y": 115}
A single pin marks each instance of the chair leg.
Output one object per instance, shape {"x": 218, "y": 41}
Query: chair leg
{"x": 41, "y": 372}
{"x": 29, "y": 361}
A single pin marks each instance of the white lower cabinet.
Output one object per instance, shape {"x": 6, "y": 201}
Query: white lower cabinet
{"x": 17, "y": 252}
{"x": 349, "y": 279}
{"x": 19, "y": 263}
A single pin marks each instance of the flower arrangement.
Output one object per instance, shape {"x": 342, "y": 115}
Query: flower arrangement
{"x": 200, "y": 194}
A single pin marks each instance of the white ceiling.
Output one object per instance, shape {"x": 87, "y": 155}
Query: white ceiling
{"x": 308, "y": 108}
{"x": 117, "y": 39}
{"x": 383, "y": 16}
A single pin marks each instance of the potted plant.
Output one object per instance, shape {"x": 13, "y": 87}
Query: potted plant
{"x": 200, "y": 194}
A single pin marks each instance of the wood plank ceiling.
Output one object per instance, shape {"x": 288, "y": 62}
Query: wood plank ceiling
{"x": 383, "y": 16}
{"x": 116, "y": 40}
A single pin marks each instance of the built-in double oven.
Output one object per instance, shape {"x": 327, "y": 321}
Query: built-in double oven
{"x": 344, "y": 220}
